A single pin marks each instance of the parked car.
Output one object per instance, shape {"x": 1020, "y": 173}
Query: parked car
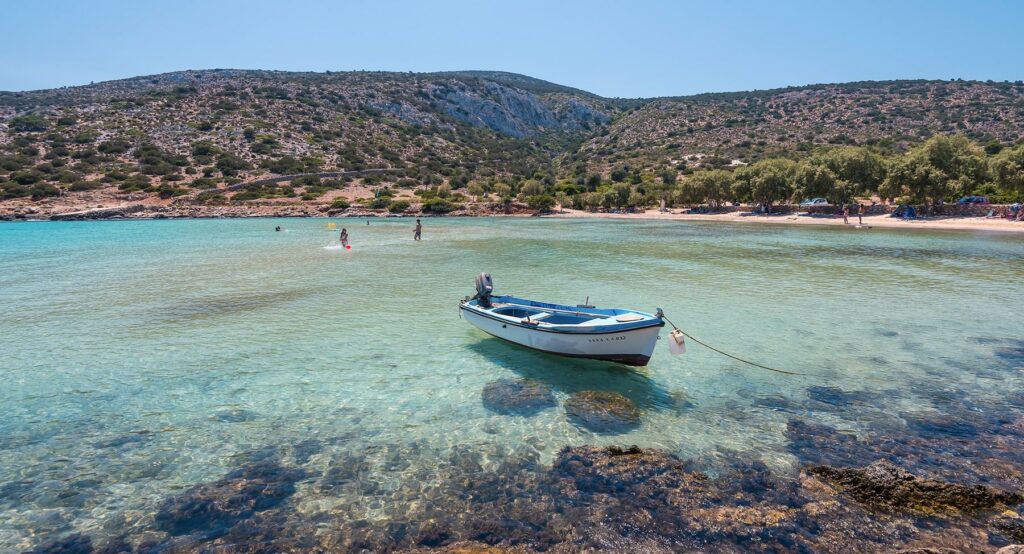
{"x": 973, "y": 200}
{"x": 814, "y": 202}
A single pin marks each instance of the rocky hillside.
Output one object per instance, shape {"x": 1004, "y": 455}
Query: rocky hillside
{"x": 747, "y": 126}
{"x": 190, "y": 135}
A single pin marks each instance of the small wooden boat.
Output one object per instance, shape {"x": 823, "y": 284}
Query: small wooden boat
{"x": 582, "y": 331}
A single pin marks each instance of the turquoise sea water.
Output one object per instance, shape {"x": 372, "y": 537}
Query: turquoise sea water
{"x": 141, "y": 357}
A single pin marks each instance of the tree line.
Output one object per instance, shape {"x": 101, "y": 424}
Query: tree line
{"x": 941, "y": 169}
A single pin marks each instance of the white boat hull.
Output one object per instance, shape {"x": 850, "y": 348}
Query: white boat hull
{"x": 632, "y": 346}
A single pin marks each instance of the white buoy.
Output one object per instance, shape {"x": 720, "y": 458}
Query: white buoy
{"x": 676, "y": 342}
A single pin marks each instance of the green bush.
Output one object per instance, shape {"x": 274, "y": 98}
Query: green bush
{"x": 340, "y": 204}
{"x": 210, "y": 197}
{"x": 203, "y": 148}
{"x": 27, "y": 123}
{"x": 439, "y": 206}
{"x": 230, "y": 164}
{"x": 245, "y": 195}
{"x": 115, "y": 146}
{"x": 13, "y": 190}
{"x": 26, "y": 177}
{"x": 398, "y": 206}
{"x": 43, "y": 190}
{"x": 203, "y": 183}
{"x": 169, "y": 191}
{"x": 379, "y": 203}
{"x": 79, "y": 186}
{"x": 541, "y": 202}
{"x": 306, "y": 181}
{"x": 133, "y": 183}
{"x": 86, "y": 137}
{"x": 13, "y": 163}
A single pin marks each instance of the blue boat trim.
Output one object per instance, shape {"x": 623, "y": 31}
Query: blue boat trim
{"x": 595, "y": 330}
{"x": 507, "y": 299}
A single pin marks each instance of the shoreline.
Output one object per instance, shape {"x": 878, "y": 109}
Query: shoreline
{"x": 884, "y": 221}
{"x": 142, "y": 211}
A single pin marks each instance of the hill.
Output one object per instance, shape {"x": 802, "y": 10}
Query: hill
{"x": 748, "y": 126}
{"x": 189, "y": 135}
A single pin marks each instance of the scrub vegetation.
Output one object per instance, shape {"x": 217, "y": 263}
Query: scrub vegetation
{"x": 450, "y": 139}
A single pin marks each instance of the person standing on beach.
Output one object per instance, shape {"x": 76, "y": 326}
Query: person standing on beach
{"x": 846, "y": 214}
{"x": 417, "y": 231}
{"x": 860, "y": 214}
{"x": 344, "y": 237}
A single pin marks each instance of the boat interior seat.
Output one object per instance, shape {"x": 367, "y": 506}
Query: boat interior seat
{"x": 628, "y": 317}
{"x": 536, "y": 317}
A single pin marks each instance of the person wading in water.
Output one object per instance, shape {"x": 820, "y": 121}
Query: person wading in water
{"x": 344, "y": 238}
{"x": 416, "y": 232}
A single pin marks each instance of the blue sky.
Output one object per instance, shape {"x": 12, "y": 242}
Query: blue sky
{"x": 626, "y": 49}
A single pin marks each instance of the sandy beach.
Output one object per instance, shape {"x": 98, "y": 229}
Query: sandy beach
{"x": 879, "y": 221}
{"x": 151, "y": 208}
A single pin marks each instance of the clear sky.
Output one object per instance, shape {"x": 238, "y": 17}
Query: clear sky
{"x": 627, "y": 49}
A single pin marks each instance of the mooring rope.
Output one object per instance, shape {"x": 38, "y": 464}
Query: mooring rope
{"x": 726, "y": 354}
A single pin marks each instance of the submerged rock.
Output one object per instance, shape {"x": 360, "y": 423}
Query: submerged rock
{"x": 1008, "y": 527}
{"x": 469, "y": 547}
{"x": 930, "y": 550}
{"x": 883, "y": 485}
{"x": 941, "y": 425}
{"x": 523, "y": 397}
{"x": 212, "y": 507}
{"x": 1012, "y": 355}
{"x": 234, "y": 416}
{"x": 614, "y": 499}
{"x": 344, "y": 469}
{"x": 615, "y": 470}
{"x": 302, "y": 451}
{"x": 76, "y": 543}
{"x": 962, "y": 447}
{"x": 836, "y": 396}
{"x": 602, "y": 411}
{"x": 131, "y": 439}
{"x": 818, "y": 444}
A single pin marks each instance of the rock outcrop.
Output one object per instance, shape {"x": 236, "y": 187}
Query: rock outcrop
{"x": 518, "y": 397}
{"x": 602, "y": 411}
{"x": 883, "y": 485}
{"x": 211, "y": 508}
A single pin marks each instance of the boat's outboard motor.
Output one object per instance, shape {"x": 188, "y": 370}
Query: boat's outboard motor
{"x": 484, "y": 288}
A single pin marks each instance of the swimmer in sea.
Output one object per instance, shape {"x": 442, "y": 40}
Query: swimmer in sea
{"x": 344, "y": 237}
{"x": 417, "y": 231}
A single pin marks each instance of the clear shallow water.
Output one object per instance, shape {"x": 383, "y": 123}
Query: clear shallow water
{"x": 142, "y": 357}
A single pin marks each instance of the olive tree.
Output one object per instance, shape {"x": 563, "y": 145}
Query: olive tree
{"x": 860, "y": 168}
{"x": 1007, "y": 169}
{"x": 712, "y": 186}
{"x": 475, "y": 190}
{"x": 765, "y": 182}
{"x": 814, "y": 180}
{"x": 941, "y": 167}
